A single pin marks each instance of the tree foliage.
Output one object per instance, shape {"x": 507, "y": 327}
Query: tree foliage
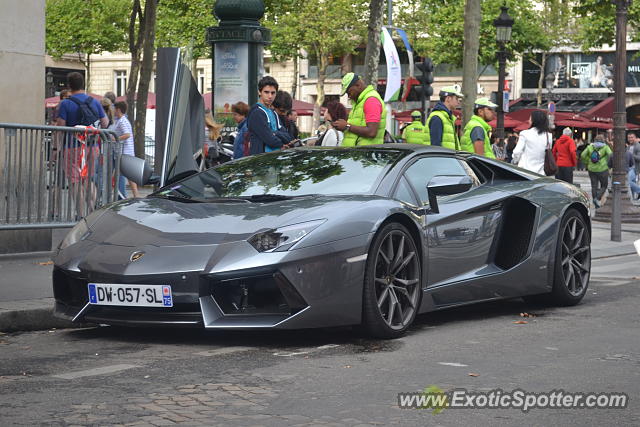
{"x": 184, "y": 22}
{"x": 597, "y": 22}
{"x": 558, "y": 30}
{"x": 320, "y": 28}
{"x": 286, "y": 41}
{"x": 436, "y": 28}
{"x": 86, "y": 26}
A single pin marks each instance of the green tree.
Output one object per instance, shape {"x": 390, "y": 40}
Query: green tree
{"x": 596, "y": 21}
{"x": 183, "y": 23}
{"x": 436, "y": 28}
{"x": 86, "y": 27}
{"x": 286, "y": 41}
{"x": 558, "y": 30}
{"x": 322, "y": 28}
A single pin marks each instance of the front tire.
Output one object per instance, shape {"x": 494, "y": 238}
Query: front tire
{"x": 392, "y": 286}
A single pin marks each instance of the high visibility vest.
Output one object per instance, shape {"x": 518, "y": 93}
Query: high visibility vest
{"x": 449, "y": 136}
{"x": 356, "y": 118}
{"x": 415, "y": 133}
{"x": 466, "y": 144}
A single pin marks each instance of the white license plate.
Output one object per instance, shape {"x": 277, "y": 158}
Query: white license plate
{"x": 130, "y": 295}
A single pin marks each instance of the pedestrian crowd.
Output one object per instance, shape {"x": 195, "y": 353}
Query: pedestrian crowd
{"x": 268, "y": 129}
{"x": 270, "y": 124}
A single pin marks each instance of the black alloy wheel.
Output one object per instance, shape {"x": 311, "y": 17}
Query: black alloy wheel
{"x": 573, "y": 260}
{"x": 392, "y": 288}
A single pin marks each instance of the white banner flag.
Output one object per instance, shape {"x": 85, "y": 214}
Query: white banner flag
{"x": 394, "y": 73}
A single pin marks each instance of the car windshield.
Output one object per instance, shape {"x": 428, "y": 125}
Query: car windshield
{"x": 289, "y": 173}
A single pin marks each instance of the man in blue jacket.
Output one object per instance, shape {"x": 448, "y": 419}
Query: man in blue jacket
{"x": 264, "y": 129}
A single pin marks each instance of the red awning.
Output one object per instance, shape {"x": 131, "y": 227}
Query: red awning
{"x": 509, "y": 123}
{"x": 602, "y": 112}
{"x": 53, "y": 101}
{"x": 584, "y": 124}
{"x": 403, "y": 116}
{"x": 303, "y": 108}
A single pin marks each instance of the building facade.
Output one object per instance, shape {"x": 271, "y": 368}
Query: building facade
{"x": 573, "y": 78}
{"x": 22, "y": 61}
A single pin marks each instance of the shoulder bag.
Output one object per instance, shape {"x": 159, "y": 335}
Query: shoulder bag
{"x": 550, "y": 165}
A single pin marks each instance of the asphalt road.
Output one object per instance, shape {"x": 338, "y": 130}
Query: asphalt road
{"x": 106, "y": 376}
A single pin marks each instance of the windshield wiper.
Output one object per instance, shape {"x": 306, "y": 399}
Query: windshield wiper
{"x": 175, "y": 197}
{"x": 267, "y": 197}
{"x": 199, "y": 200}
{"x": 224, "y": 200}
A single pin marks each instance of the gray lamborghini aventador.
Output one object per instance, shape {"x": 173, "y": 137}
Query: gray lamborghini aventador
{"x": 318, "y": 237}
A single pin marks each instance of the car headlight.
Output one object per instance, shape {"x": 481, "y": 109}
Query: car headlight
{"x": 283, "y": 238}
{"x": 79, "y": 232}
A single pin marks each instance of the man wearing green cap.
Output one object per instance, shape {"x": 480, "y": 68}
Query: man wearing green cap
{"x": 475, "y": 138}
{"x": 416, "y": 132}
{"x": 366, "y": 122}
{"x": 442, "y": 122}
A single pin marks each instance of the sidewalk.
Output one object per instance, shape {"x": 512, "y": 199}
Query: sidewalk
{"x": 26, "y": 297}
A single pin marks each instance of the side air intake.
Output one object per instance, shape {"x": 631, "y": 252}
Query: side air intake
{"x": 516, "y": 231}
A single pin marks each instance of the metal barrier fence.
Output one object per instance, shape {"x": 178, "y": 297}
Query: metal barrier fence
{"x": 51, "y": 176}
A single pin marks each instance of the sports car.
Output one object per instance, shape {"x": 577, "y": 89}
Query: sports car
{"x": 319, "y": 237}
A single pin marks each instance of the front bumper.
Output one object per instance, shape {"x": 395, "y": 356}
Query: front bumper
{"x": 237, "y": 287}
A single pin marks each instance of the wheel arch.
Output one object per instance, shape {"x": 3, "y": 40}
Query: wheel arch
{"x": 584, "y": 212}
{"x": 410, "y": 225}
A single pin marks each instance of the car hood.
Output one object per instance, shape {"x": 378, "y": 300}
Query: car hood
{"x": 163, "y": 222}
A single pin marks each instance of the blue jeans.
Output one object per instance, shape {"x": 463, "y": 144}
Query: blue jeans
{"x": 122, "y": 187}
{"x": 122, "y": 181}
{"x": 635, "y": 188}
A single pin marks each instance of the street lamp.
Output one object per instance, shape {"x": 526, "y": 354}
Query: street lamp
{"x": 49, "y": 87}
{"x": 503, "y": 24}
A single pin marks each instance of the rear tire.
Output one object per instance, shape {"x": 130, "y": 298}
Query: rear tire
{"x": 573, "y": 260}
{"x": 572, "y": 265}
{"x": 392, "y": 286}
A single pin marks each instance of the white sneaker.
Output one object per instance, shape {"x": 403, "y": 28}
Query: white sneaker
{"x": 603, "y": 199}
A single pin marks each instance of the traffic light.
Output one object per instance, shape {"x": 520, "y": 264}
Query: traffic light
{"x": 424, "y": 89}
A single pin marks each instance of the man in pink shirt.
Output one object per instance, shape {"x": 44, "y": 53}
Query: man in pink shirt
{"x": 367, "y": 119}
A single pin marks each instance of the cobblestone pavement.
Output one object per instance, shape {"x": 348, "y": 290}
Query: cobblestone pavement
{"x": 331, "y": 377}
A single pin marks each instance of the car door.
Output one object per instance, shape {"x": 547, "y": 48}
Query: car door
{"x": 460, "y": 234}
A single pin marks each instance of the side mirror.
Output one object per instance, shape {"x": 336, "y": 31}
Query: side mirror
{"x": 444, "y": 185}
{"x": 136, "y": 170}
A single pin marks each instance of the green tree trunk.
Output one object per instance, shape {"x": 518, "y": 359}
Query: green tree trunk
{"x": 294, "y": 86}
{"x": 145, "y": 75}
{"x": 135, "y": 45}
{"x": 372, "y": 53}
{"x": 323, "y": 62}
{"x": 472, "y": 18}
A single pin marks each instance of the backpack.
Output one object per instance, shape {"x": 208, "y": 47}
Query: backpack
{"x": 86, "y": 115}
{"x": 595, "y": 156}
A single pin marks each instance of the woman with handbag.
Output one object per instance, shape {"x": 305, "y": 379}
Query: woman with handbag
{"x": 533, "y": 144}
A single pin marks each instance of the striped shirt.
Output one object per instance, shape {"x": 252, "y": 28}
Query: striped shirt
{"x": 123, "y": 126}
